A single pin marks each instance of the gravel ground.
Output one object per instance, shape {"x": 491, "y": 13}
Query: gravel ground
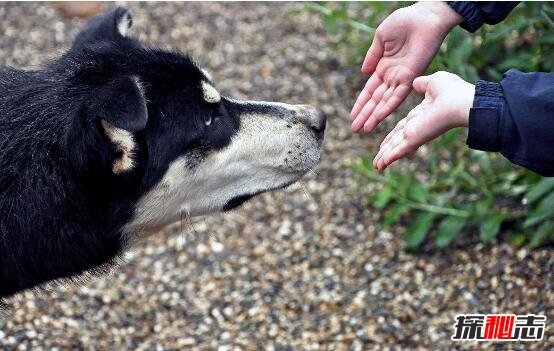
{"x": 306, "y": 268}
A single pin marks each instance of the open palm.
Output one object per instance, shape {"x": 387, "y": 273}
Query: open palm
{"x": 448, "y": 99}
{"x": 404, "y": 45}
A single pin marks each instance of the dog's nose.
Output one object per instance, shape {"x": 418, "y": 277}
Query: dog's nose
{"x": 319, "y": 121}
{"x": 313, "y": 118}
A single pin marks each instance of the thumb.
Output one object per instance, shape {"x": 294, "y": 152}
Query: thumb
{"x": 374, "y": 54}
{"x": 420, "y": 84}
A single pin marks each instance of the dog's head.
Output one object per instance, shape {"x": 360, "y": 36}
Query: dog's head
{"x": 156, "y": 125}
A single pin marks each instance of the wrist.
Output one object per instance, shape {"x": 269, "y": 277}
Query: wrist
{"x": 467, "y": 94}
{"x": 441, "y": 14}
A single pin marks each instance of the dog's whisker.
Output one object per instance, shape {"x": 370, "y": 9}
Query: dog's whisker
{"x": 190, "y": 224}
{"x": 314, "y": 172}
{"x": 306, "y": 192}
{"x": 182, "y": 236}
{"x": 181, "y": 232}
{"x": 211, "y": 234}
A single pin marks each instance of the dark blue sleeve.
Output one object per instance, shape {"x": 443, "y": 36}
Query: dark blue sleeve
{"x": 475, "y": 13}
{"x": 516, "y": 118}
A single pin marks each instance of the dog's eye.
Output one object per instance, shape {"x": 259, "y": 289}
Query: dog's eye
{"x": 218, "y": 114}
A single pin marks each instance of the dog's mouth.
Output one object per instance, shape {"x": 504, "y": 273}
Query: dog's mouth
{"x": 237, "y": 201}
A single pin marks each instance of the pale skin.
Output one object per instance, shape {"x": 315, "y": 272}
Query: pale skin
{"x": 403, "y": 46}
{"x": 448, "y": 100}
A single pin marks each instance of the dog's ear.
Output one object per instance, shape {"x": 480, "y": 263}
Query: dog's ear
{"x": 111, "y": 26}
{"x": 103, "y": 135}
{"x": 121, "y": 108}
{"x": 121, "y": 103}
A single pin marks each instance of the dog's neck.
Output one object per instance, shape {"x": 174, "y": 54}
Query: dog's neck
{"x": 47, "y": 229}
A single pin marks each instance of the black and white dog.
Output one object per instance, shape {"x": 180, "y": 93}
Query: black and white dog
{"x": 113, "y": 141}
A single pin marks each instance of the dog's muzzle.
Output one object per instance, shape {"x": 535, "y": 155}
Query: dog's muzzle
{"x": 313, "y": 118}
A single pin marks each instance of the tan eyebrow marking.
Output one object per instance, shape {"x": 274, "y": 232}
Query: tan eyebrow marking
{"x": 211, "y": 95}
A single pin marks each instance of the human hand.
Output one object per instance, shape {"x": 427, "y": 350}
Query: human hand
{"x": 448, "y": 99}
{"x": 403, "y": 46}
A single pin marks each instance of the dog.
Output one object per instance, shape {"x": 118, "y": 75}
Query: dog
{"x": 114, "y": 140}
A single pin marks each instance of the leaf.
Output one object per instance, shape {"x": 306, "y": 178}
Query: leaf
{"x": 418, "y": 192}
{"x": 366, "y": 161}
{"x": 418, "y": 230}
{"x": 316, "y": 8}
{"x": 518, "y": 189}
{"x": 541, "y": 236}
{"x": 544, "y": 210}
{"x": 331, "y": 25}
{"x": 543, "y": 187}
{"x": 484, "y": 161}
{"x": 448, "y": 230}
{"x": 482, "y": 206}
{"x": 404, "y": 183}
{"x": 489, "y": 228}
{"x": 494, "y": 73}
{"x": 449, "y": 137}
{"x": 394, "y": 214}
{"x": 383, "y": 197}
{"x": 468, "y": 178}
{"x": 517, "y": 238}
{"x": 463, "y": 50}
{"x": 362, "y": 27}
{"x": 362, "y": 165}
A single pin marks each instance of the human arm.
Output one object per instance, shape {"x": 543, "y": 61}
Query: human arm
{"x": 514, "y": 117}
{"x": 446, "y": 105}
{"x": 477, "y": 13}
{"x": 403, "y": 46}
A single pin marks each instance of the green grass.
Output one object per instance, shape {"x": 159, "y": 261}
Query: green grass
{"x": 462, "y": 189}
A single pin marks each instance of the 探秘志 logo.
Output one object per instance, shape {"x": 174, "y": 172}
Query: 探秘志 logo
{"x": 499, "y": 327}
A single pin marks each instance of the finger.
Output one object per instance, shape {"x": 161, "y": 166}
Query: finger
{"x": 372, "y": 83}
{"x": 385, "y": 108}
{"x": 361, "y": 118}
{"x": 385, "y": 158}
{"x": 416, "y": 111}
{"x": 368, "y": 108}
{"x": 398, "y": 126}
{"x": 396, "y": 137}
{"x": 374, "y": 54}
{"x": 385, "y": 145}
{"x": 381, "y": 161}
{"x": 378, "y": 161}
{"x": 384, "y": 98}
{"x": 402, "y": 150}
{"x": 420, "y": 84}
{"x": 388, "y": 93}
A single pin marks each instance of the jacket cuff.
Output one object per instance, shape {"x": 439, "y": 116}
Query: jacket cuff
{"x": 484, "y": 117}
{"x": 473, "y": 19}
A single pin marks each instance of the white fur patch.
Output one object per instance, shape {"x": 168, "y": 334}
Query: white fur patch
{"x": 211, "y": 95}
{"x": 206, "y": 74}
{"x": 124, "y": 25}
{"x": 125, "y": 143}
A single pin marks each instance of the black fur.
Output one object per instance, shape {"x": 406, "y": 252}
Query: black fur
{"x": 62, "y": 208}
